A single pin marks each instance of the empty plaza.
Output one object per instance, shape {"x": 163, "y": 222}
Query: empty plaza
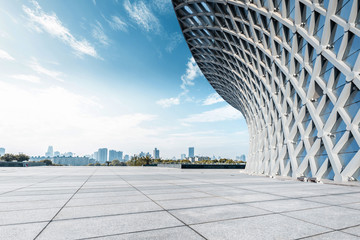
{"x": 165, "y": 203}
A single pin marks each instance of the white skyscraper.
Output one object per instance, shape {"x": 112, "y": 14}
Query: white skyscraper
{"x": 115, "y": 155}
{"x": 50, "y": 152}
{"x": 102, "y": 155}
{"x": 2, "y": 151}
{"x": 156, "y": 153}
{"x": 191, "y": 152}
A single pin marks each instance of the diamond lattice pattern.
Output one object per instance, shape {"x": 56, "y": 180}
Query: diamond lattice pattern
{"x": 292, "y": 69}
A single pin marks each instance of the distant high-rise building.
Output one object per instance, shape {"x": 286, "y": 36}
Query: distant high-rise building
{"x": 50, "y": 152}
{"x": 156, "y": 153}
{"x": 126, "y": 158}
{"x": 183, "y": 156}
{"x": 191, "y": 152}
{"x": 142, "y": 154}
{"x": 2, "y": 151}
{"x": 95, "y": 156}
{"x": 115, "y": 155}
{"x": 120, "y": 155}
{"x": 102, "y": 155}
{"x": 243, "y": 158}
{"x": 56, "y": 154}
{"x": 112, "y": 155}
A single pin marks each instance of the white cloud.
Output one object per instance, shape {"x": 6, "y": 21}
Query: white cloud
{"x": 27, "y": 78}
{"x": 192, "y": 72}
{"x": 175, "y": 40}
{"x": 212, "y": 99}
{"x": 142, "y": 16}
{"x": 187, "y": 79}
{"x": 163, "y": 6}
{"x": 215, "y": 115}
{"x": 168, "y": 102}
{"x": 34, "y": 65}
{"x": 117, "y": 24}
{"x": 70, "y": 121}
{"x": 52, "y": 25}
{"x": 6, "y": 56}
{"x": 98, "y": 33}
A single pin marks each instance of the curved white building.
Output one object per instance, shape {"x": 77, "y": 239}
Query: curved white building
{"x": 292, "y": 68}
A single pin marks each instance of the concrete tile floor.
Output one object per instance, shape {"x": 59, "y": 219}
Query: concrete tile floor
{"x": 164, "y": 203}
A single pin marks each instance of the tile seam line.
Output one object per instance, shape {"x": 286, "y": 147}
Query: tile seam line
{"x": 336, "y": 230}
{"x": 281, "y": 213}
{"x": 247, "y": 203}
{"x": 173, "y": 210}
{"x": 14, "y": 190}
{"x": 277, "y": 195}
{"x": 99, "y": 197}
{"x": 77, "y": 206}
{"x": 140, "y": 231}
{"x": 161, "y": 206}
{"x": 65, "y": 204}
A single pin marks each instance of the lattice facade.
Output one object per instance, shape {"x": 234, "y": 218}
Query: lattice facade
{"x": 292, "y": 68}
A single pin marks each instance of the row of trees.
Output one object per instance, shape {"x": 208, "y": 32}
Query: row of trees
{"x": 140, "y": 161}
{"x": 135, "y": 161}
{"x": 14, "y": 157}
{"x": 112, "y": 163}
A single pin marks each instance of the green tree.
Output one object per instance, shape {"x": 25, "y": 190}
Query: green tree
{"x": 13, "y": 157}
{"x": 115, "y": 162}
{"x": 8, "y": 157}
{"x": 47, "y": 162}
{"x": 185, "y": 161}
{"x": 22, "y": 157}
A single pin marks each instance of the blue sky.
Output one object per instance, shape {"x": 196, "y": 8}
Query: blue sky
{"x": 85, "y": 74}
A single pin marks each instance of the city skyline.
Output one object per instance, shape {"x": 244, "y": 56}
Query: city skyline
{"x": 116, "y": 74}
{"x": 110, "y": 154}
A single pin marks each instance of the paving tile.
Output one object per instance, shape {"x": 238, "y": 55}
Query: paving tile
{"x": 264, "y": 227}
{"x": 100, "y": 226}
{"x": 338, "y": 199}
{"x": 21, "y": 231}
{"x": 106, "y": 200}
{"x": 11, "y": 206}
{"x": 352, "y": 205}
{"x": 353, "y": 230}
{"x": 108, "y": 206}
{"x": 175, "y": 196}
{"x": 30, "y": 198}
{"x": 286, "y": 205}
{"x": 333, "y": 235}
{"x": 190, "y": 203}
{"x": 103, "y": 210}
{"x": 207, "y": 214}
{"x": 176, "y": 233}
{"x": 25, "y": 216}
{"x": 253, "y": 197}
{"x": 332, "y": 217}
{"x": 107, "y": 194}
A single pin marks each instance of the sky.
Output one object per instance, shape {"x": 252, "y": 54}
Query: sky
{"x": 86, "y": 74}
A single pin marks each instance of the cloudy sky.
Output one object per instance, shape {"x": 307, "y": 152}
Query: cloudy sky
{"x": 85, "y": 74}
